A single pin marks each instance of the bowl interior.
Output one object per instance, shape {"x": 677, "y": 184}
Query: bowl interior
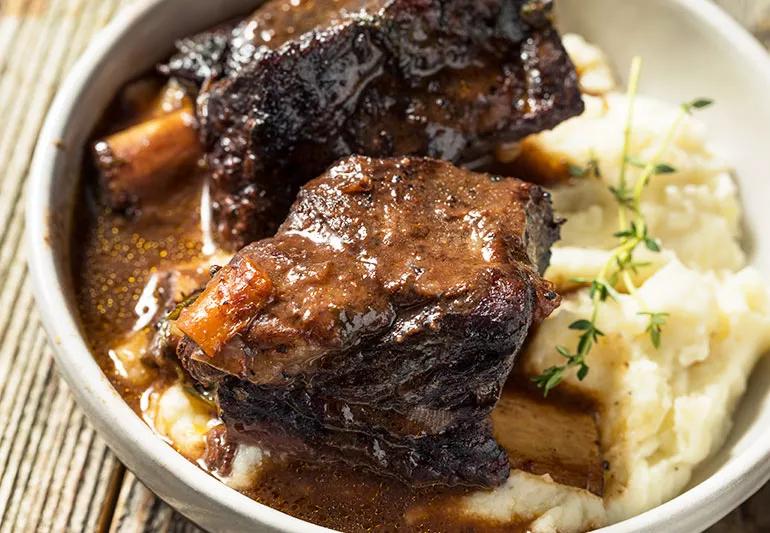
{"x": 690, "y": 49}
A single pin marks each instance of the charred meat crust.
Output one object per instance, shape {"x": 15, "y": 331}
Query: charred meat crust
{"x": 202, "y": 56}
{"x": 447, "y": 79}
{"x": 400, "y": 292}
{"x": 466, "y": 454}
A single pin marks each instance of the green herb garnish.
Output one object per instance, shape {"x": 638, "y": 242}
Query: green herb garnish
{"x": 186, "y": 302}
{"x": 657, "y": 320}
{"x": 632, "y": 233}
{"x": 590, "y": 169}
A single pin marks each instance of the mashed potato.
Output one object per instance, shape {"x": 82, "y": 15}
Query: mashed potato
{"x": 182, "y": 417}
{"x": 663, "y": 410}
{"x": 550, "y": 506}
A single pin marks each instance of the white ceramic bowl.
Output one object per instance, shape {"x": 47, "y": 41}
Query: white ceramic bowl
{"x": 690, "y": 48}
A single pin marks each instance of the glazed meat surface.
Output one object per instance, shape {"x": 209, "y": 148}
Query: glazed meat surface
{"x": 297, "y": 86}
{"x": 380, "y": 323}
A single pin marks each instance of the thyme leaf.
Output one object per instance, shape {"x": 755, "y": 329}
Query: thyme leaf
{"x": 660, "y": 168}
{"x": 698, "y": 103}
{"x": 576, "y": 171}
{"x": 623, "y": 197}
{"x": 652, "y": 244}
{"x": 663, "y": 168}
{"x": 654, "y": 326}
{"x": 591, "y": 169}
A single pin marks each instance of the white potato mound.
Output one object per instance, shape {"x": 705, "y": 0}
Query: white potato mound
{"x": 245, "y": 468}
{"x": 550, "y": 506}
{"x": 664, "y": 410}
{"x": 689, "y": 210}
{"x": 182, "y": 417}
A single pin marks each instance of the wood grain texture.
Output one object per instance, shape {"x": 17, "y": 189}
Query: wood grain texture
{"x": 138, "y": 510}
{"x": 56, "y": 474}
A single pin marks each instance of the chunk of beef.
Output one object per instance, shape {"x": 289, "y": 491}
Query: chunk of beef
{"x": 224, "y": 49}
{"x": 379, "y": 324}
{"x": 201, "y": 57}
{"x": 297, "y": 87}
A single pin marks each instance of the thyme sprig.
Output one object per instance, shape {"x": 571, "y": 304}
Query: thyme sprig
{"x": 591, "y": 169}
{"x": 633, "y": 232}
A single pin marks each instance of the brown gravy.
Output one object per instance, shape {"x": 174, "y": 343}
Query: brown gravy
{"x": 352, "y": 500}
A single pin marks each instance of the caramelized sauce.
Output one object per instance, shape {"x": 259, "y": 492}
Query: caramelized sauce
{"x": 557, "y": 437}
{"x": 113, "y": 258}
{"x": 353, "y": 500}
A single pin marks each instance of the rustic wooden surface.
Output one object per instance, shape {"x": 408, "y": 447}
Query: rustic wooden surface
{"x": 56, "y": 474}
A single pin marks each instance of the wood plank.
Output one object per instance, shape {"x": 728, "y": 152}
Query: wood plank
{"x": 138, "y": 511}
{"x": 55, "y": 472}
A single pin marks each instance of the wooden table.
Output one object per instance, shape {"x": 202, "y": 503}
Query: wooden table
{"x": 56, "y": 474}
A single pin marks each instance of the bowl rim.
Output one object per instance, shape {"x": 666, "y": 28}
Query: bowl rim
{"x": 140, "y": 448}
